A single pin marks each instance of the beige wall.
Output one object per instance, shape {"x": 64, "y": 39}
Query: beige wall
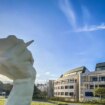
{"x": 81, "y": 82}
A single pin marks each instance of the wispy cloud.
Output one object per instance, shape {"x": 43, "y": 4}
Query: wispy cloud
{"x": 91, "y": 28}
{"x": 47, "y": 73}
{"x": 67, "y": 8}
{"x": 45, "y": 77}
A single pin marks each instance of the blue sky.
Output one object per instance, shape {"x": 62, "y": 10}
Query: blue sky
{"x": 67, "y": 33}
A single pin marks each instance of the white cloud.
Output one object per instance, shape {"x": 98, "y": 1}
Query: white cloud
{"x": 38, "y": 75}
{"x": 45, "y": 77}
{"x": 40, "y": 81}
{"x": 47, "y": 73}
{"x": 67, "y": 9}
{"x": 5, "y": 79}
{"x": 91, "y": 28}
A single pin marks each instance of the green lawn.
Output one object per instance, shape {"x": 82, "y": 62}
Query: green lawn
{"x": 59, "y": 102}
{"x": 41, "y": 103}
{"x": 2, "y": 102}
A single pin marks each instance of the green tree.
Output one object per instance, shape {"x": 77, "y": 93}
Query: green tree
{"x": 100, "y": 92}
{"x": 37, "y": 94}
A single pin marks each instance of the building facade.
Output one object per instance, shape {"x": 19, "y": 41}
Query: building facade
{"x": 79, "y": 84}
{"x": 50, "y": 88}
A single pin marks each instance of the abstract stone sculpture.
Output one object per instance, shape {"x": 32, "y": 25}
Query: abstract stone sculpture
{"x": 16, "y": 62}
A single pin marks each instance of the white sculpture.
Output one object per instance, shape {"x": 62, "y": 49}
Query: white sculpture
{"x": 16, "y": 62}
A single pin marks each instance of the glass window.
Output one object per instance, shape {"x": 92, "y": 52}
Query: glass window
{"x": 96, "y": 86}
{"x": 66, "y": 87}
{"x": 71, "y": 87}
{"x": 100, "y": 68}
{"x": 66, "y": 93}
{"x": 71, "y": 94}
{"x": 62, "y": 87}
{"x": 75, "y": 80}
{"x": 84, "y": 78}
{"x": 91, "y": 86}
{"x": 62, "y": 93}
{"x": 94, "y": 78}
{"x": 58, "y": 87}
{"x": 58, "y": 93}
{"x": 89, "y": 94}
{"x": 102, "y": 86}
{"x": 102, "y": 78}
{"x": 71, "y": 80}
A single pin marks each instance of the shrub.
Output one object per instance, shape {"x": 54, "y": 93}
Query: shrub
{"x": 62, "y": 104}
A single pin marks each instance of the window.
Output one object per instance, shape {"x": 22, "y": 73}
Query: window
{"x": 91, "y": 86}
{"x": 67, "y": 80}
{"x": 75, "y": 80}
{"x": 58, "y": 93}
{"x": 84, "y": 78}
{"x": 62, "y": 93}
{"x": 71, "y": 94}
{"x": 71, "y": 80}
{"x": 96, "y": 86}
{"x": 66, "y": 93}
{"x": 100, "y": 68}
{"x": 94, "y": 78}
{"x": 88, "y": 94}
{"x": 66, "y": 87}
{"x": 71, "y": 87}
{"x": 62, "y": 87}
{"x": 102, "y": 78}
{"x": 102, "y": 86}
{"x": 58, "y": 87}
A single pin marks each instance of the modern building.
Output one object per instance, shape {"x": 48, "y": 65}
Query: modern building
{"x": 78, "y": 84}
{"x": 92, "y": 80}
{"x": 50, "y": 88}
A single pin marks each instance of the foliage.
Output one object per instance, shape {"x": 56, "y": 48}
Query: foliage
{"x": 100, "y": 92}
{"x": 37, "y": 94}
{"x": 59, "y": 102}
{"x": 57, "y": 98}
{"x": 7, "y": 88}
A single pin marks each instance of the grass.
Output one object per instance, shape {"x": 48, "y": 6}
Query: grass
{"x": 2, "y": 102}
{"x": 58, "y": 102}
{"x": 68, "y": 103}
{"x": 41, "y": 103}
